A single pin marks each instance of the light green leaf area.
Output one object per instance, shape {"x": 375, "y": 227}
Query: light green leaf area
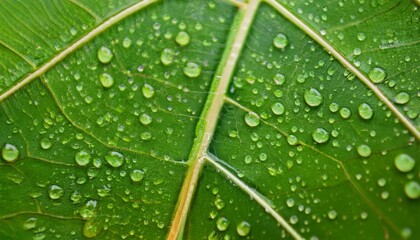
{"x": 209, "y": 119}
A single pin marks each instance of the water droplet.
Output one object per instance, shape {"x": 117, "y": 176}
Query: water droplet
{"x": 290, "y": 202}
{"x": 222, "y": 224}
{"x": 106, "y": 80}
{"x": 82, "y": 158}
{"x": 137, "y": 175}
{"x": 167, "y": 56}
{"x": 145, "y": 119}
{"x": 9, "y": 152}
{"x": 55, "y": 192}
{"x": 365, "y": 111}
{"x": 252, "y": 119}
{"x": 406, "y": 232}
{"x": 30, "y": 223}
{"x": 243, "y": 228}
{"x": 345, "y": 113}
{"x": 292, "y": 140}
{"x": 404, "y": 162}
{"x": 192, "y": 70}
{"x": 146, "y": 136}
{"x": 46, "y": 143}
{"x": 412, "y": 189}
{"x": 320, "y": 135}
{"x": 105, "y": 55}
{"x": 279, "y": 79}
{"x": 148, "y": 91}
{"x": 114, "y": 159}
{"x": 332, "y": 214}
{"x": 280, "y": 41}
{"x": 334, "y": 107}
{"x": 402, "y": 98}
{"x": 364, "y": 150}
{"x": 361, "y": 37}
{"x": 90, "y": 229}
{"x": 313, "y": 97}
{"x": 377, "y": 75}
{"x": 277, "y": 108}
{"x": 126, "y": 42}
{"x": 182, "y": 38}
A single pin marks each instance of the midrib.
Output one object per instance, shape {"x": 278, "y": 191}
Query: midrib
{"x": 208, "y": 121}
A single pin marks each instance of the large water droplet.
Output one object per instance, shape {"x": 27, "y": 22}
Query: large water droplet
{"x": 105, "y": 55}
{"x": 222, "y": 224}
{"x": 404, "y": 162}
{"x": 9, "y": 152}
{"x": 277, "y": 108}
{"x": 145, "y": 119}
{"x": 148, "y": 91}
{"x": 82, "y": 158}
{"x": 252, "y": 119}
{"x": 243, "y": 228}
{"x": 55, "y": 192}
{"x": 377, "y": 75}
{"x": 365, "y": 111}
{"x": 402, "y": 98}
{"x": 280, "y": 41}
{"x": 320, "y": 135}
{"x": 364, "y": 150}
{"x": 167, "y": 56}
{"x": 114, "y": 159}
{"x": 313, "y": 97}
{"x": 106, "y": 80}
{"x": 182, "y": 38}
{"x": 192, "y": 70}
{"x": 412, "y": 189}
{"x": 137, "y": 175}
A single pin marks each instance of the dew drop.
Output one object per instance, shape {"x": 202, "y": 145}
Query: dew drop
{"x": 182, "y": 38}
{"x": 320, "y": 135}
{"x": 105, "y": 55}
{"x": 222, "y": 224}
{"x": 114, "y": 159}
{"x": 126, "y": 42}
{"x": 364, "y": 150}
{"x": 279, "y": 79}
{"x": 404, "y": 162}
{"x": 243, "y": 228}
{"x": 412, "y": 189}
{"x": 313, "y": 97}
{"x": 332, "y": 214}
{"x": 45, "y": 143}
{"x": 406, "y": 232}
{"x": 277, "y": 108}
{"x": 292, "y": 140}
{"x": 365, "y": 111}
{"x": 192, "y": 70}
{"x": 361, "y": 37}
{"x": 345, "y": 113}
{"x": 88, "y": 211}
{"x": 148, "y": 91}
{"x": 30, "y": 223}
{"x": 377, "y": 75}
{"x": 145, "y": 119}
{"x": 82, "y": 158}
{"x": 9, "y": 152}
{"x": 90, "y": 229}
{"x": 333, "y": 107}
{"x": 137, "y": 175}
{"x": 252, "y": 119}
{"x": 55, "y": 192}
{"x": 106, "y": 80}
{"x": 402, "y": 98}
{"x": 280, "y": 41}
{"x": 167, "y": 56}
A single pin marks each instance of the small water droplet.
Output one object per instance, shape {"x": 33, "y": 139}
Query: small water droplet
{"x": 9, "y": 152}
{"x": 90, "y": 229}
{"x": 364, "y": 150}
{"x": 277, "y": 108}
{"x": 45, "y": 143}
{"x": 55, "y": 192}
{"x": 30, "y": 223}
{"x": 292, "y": 140}
{"x": 243, "y": 228}
{"x": 365, "y": 111}
{"x": 137, "y": 175}
{"x": 345, "y": 113}
{"x": 332, "y": 214}
{"x": 406, "y": 232}
{"x": 192, "y": 70}
{"x": 313, "y": 97}
{"x": 222, "y": 224}
{"x": 148, "y": 91}
{"x": 82, "y": 158}
{"x": 361, "y": 37}
{"x": 106, "y": 80}
{"x": 404, "y": 162}
{"x": 126, "y": 42}
{"x": 412, "y": 189}
{"x": 402, "y": 98}
{"x": 114, "y": 159}
{"x": 105, "y": 55}
{"x": 145, "y": 119}
{"x": 280, "y": 41}
{"x": 290, "y": 202}
{"x": 167, "y": 56}
{"x": 252, "y": 119}
{"x": 320, "y": 135}
{"x": 377, "y": 75}
{"x": 88, "y": 211}
{"x": 182, "y": 38}
{"x": 279, "y": 79}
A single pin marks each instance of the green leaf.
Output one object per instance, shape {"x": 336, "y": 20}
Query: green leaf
{"x": 209, "y": 119}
